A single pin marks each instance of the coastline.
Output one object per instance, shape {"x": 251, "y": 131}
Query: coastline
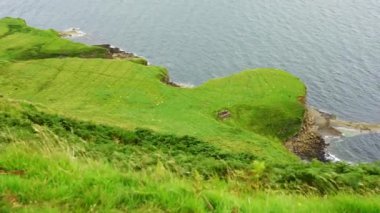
{"x": 218, "y": 147}
{"x": 118, "y": 53}
{"x": 318, "y": 128}
{"x": 308, "y": 144}
{"x": 113, "y": 51}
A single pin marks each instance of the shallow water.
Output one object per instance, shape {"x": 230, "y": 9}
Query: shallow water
{"x": 333, "y": 45}
{"x": 352, "y": 150}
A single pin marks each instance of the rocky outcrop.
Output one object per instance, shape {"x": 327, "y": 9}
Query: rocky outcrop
{"x": 166, "y": 80}
{"x": 308, "y": 144}
{"x": 72, "y": 33}
{"x": 319, "y": 128}
{"x": 115, "y": 52}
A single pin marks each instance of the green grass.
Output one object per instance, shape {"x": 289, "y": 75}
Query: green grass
{"x": 263, "y": 103}
{"x": 184, "y": 155}
{"x": 79, "y": 132}
{"x": 69, "y": 165}
{"x": 57, "y": 180}
{"x": 20, "y": 42}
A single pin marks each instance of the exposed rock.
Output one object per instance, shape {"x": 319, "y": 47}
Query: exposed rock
{"x": 110, "y": 48}
{"x": 72, "y": 33}
{"x": 165, "y": 79}
{"x": 115, "y": 52}
{"x": 224, "y": 114}
{"x": 319, "y": 128}
{"x": 330, "y": 125}
{"x": 308, "y": 144}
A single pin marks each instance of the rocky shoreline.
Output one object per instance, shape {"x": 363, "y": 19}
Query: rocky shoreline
{"x": 317, "y": 131}
{"x": 113, "y": 52}
{"x": 117, "y": 53}
{"x": 308, "y": 144}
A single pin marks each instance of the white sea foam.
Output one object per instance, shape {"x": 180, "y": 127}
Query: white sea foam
{"x": 335, "y": 159}
{"x": 185, "y": 85}
{"x": 73, "y": 32}
{"x": 332, "y": 158}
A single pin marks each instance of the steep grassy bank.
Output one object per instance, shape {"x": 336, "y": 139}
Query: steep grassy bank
{"x": 53, "y": 163}
{"x": 57, "y": 181}
{"x": 79, "y": 132}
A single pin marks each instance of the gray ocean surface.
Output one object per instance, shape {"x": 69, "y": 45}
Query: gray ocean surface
{"x": 352, "y": 149}
{"x": 333, "y": 45}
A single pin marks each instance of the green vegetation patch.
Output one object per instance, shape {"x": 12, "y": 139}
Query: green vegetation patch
{"x": 51, "y": 163}
{"x": 130, "y": 95}
{"x": 21, "y": 42}
{"x": 141, "y": 148}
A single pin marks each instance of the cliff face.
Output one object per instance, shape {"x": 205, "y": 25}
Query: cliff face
{"x": 308, "y": 144}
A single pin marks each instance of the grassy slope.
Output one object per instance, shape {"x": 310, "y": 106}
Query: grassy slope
{"x": 81, "y": 166}
{"x": 59, "y": 182}
{"x": 264, "y": 102}
{"x": 46, "y": 166}
{"x": 21, "y": 42}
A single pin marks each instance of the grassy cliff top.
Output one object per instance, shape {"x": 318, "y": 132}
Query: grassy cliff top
{"x": 83, "y": 133}
{"x": 21, "y": 42}
{"x": 261, "y": 107}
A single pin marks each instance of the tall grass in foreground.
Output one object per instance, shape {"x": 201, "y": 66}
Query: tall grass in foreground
{"x": 58, "y": 177}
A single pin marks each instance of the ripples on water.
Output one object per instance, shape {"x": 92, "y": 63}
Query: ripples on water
{"x": 333, "y": 45}
{"x": 364, "y": 148}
